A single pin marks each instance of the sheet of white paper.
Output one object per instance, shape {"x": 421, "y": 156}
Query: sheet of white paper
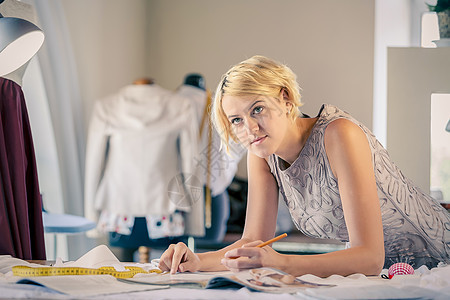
{"x": 88, "y": 285}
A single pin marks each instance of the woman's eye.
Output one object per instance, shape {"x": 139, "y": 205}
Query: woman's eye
{"x": 258, "y": 109}
{"x": 236, "y": 121}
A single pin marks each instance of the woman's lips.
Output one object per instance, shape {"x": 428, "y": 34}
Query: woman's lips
{"x": 258, "y": 140}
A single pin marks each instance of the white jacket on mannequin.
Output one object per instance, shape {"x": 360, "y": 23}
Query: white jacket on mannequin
{"x": 132, "y": 152}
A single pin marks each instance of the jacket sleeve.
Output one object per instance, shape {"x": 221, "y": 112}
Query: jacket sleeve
{"x": 96, "y": 151}
{"x": 194, "y": 217}
{"x": 189, "y": 139}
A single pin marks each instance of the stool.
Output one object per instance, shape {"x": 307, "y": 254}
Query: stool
{"x": 65, "y": 224}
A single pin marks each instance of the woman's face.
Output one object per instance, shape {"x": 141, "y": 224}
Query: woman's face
{"x": 259, "y": 122}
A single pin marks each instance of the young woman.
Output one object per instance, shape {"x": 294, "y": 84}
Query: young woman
{"x": 336, "y": 178}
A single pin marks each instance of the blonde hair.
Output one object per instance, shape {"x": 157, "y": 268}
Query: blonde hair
{"x": 257, "y": 75}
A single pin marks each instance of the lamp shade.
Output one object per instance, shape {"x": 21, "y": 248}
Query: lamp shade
{"x": 19, "y": 41}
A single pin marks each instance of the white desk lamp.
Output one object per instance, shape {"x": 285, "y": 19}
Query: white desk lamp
{"x": 19, "y": 41}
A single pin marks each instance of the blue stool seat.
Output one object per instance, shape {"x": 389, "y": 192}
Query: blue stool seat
{"x": 64, "y": 223}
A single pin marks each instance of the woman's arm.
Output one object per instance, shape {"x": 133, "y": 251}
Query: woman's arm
{"x": 262, "y": 201}
{"x": 350, "y": 158}
{"x": 260, "y": 223}
{"x": 351, "y": 162}
{"x": 261, "y": 214}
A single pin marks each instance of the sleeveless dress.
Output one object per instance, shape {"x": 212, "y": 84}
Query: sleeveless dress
{"x": 416, "y": 227}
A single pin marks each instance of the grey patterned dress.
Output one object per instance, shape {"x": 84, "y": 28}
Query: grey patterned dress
{"x": 416, "y": 227}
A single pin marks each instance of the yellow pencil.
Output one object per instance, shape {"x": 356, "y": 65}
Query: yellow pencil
{"x": 265, "y": 243}
{"x": 272, "y": 240}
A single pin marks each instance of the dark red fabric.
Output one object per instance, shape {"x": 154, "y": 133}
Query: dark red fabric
{"x": 21, "y": 229}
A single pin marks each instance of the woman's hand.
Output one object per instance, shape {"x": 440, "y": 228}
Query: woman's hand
{"x": 178, "y": 258}
{"x": 249, "y": 256}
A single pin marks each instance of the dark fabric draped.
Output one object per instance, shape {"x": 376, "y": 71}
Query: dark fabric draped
{"x": 21, "y": 229}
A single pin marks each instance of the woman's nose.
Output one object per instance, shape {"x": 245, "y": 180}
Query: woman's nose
{"x": 252, "y": 126}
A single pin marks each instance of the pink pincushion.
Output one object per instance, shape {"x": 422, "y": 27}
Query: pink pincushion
{"x": 400, "y": 269}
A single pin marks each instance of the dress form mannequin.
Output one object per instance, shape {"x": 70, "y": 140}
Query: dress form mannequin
{"x": 21, "y": 225}
{"x": 132, "y": 157}
{"x": 140, "y": 228}
{"x": 196, "y": 80}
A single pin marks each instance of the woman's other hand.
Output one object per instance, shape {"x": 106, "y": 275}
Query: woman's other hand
{"x": 179, "y": 258}
{"x": 249, "y": 256}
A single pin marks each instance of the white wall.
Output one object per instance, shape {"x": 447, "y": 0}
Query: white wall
{"x": 109, "y": 40}
{"x": 413, "y": 75}
{"x": 329, "y": 44}
{"x": 392, "y": 28}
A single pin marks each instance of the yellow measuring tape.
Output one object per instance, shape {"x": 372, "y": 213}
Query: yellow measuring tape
{"x": 25, "y": 271}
